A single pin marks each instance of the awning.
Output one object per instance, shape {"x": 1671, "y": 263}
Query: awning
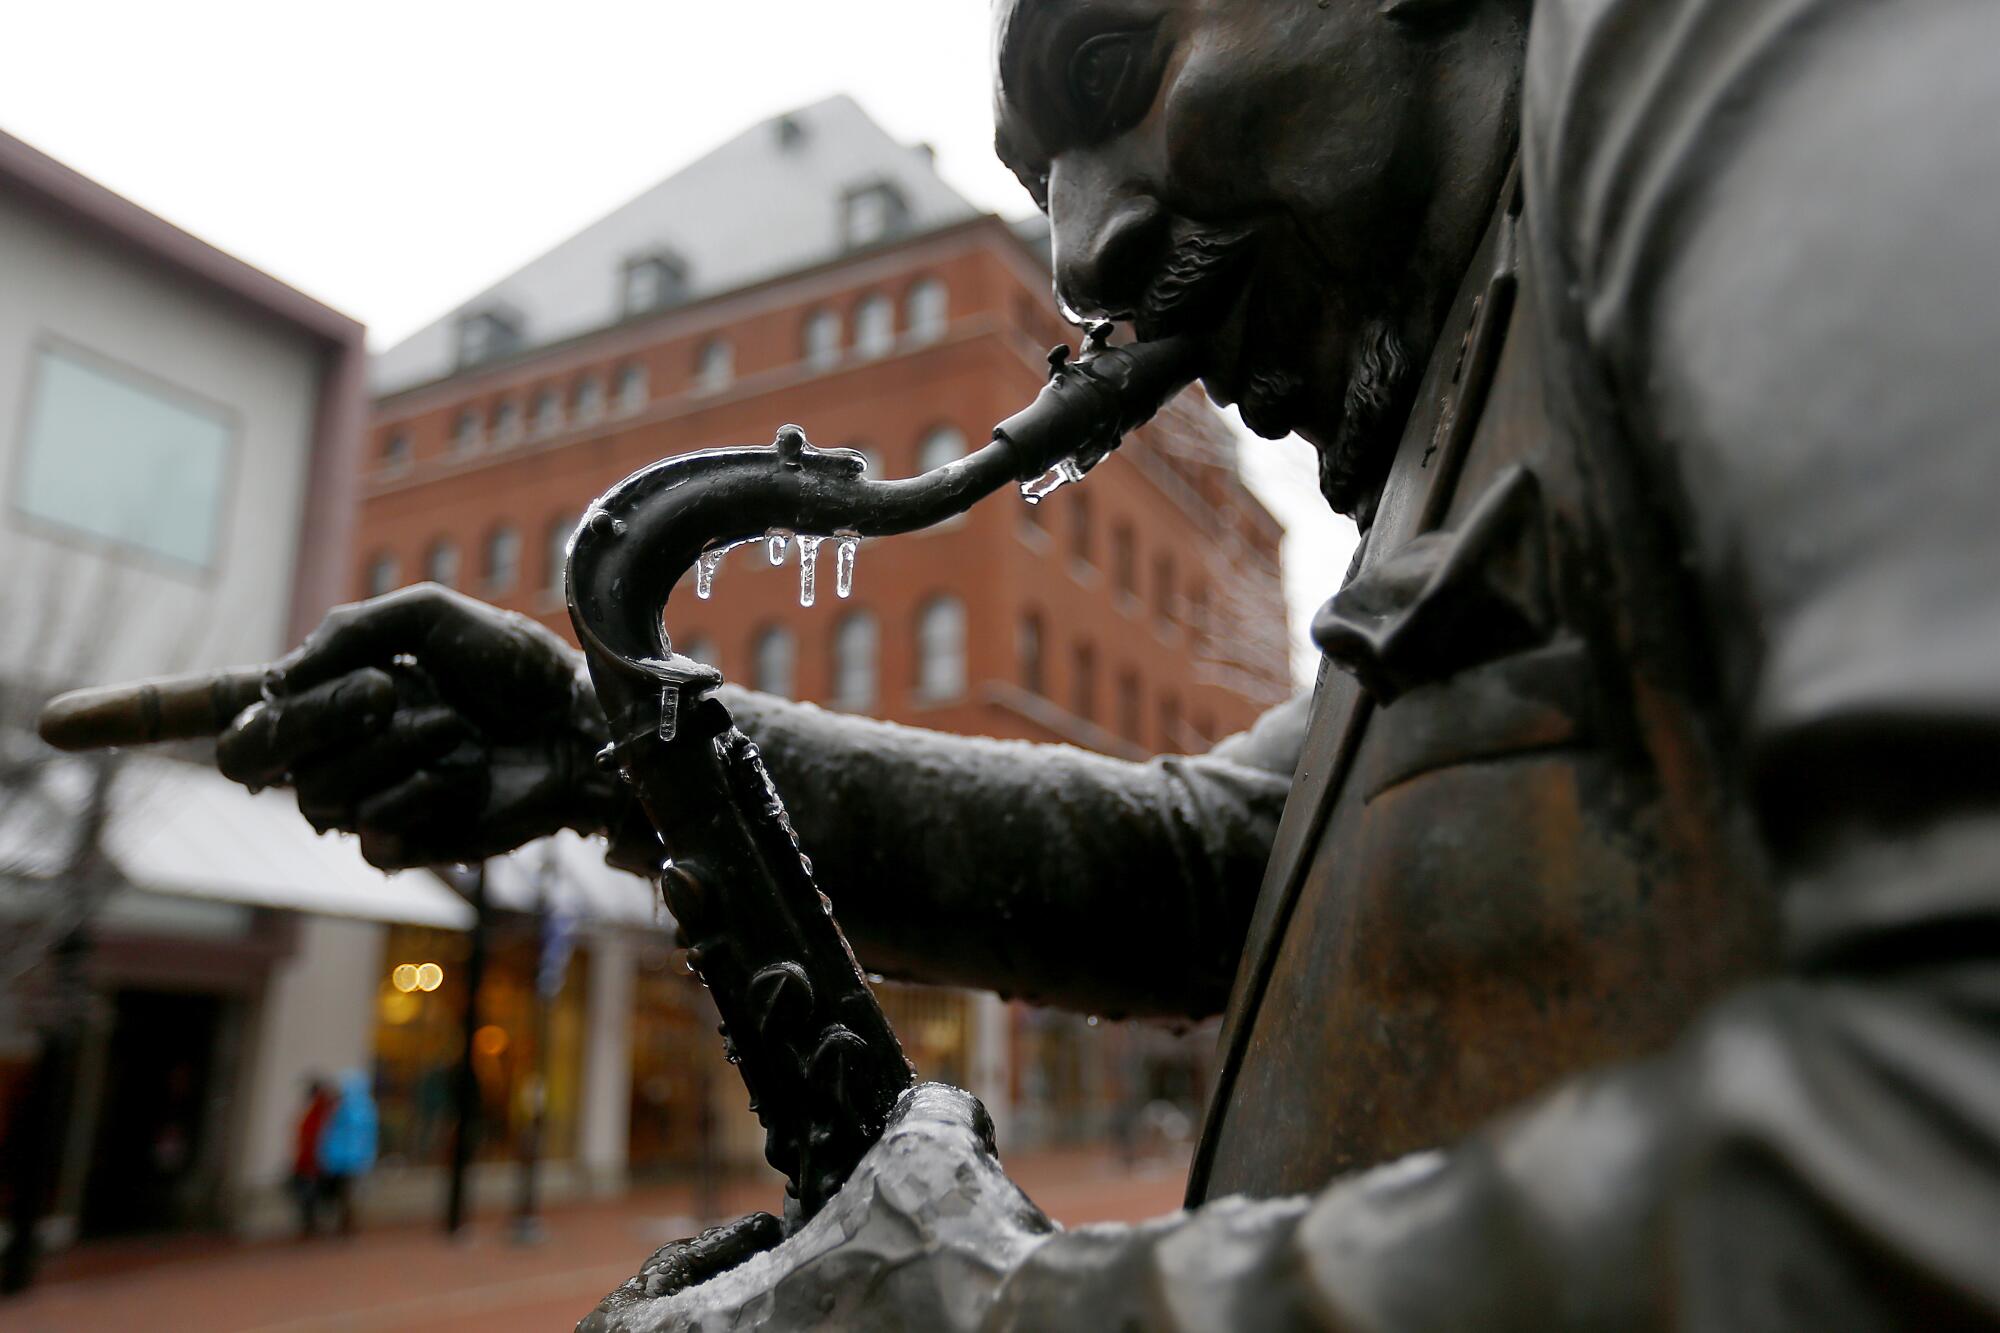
{"x": 185, "y": 830}
{"x": 570, "y": 869}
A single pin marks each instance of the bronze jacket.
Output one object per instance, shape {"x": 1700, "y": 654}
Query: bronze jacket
{"x": 1642, "y": 858}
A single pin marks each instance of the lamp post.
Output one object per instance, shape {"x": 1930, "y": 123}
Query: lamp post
{"x": 555, "y": 934}
{"x": 465, "y": 1090}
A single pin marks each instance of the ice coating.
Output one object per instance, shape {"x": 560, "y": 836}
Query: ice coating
{"x": 775, "y": 543}
{"x": 843, "y": 565}
{"x": 1057, "y": 477}
{"x": 704, "y": 572}
{"x": 809, "y": 569}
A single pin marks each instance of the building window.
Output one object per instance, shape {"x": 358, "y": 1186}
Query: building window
{"x": 123, "y": 459}
{"x": 1163, "y": 588}
{"x": 1124, "y": 561}
{"x": 1198, "y": 609}
{"x": 941, "y": 649}
{"x": 548, "y": 412}
{"x": 465, "y": 433}
{"x": 383, "y": 574}
{"x": 487, "y": 335}
{"x": 875, "y": 326}
{"x": 1128, "y": 706}
{"x": 944, "y": 444}
{"x": 822, "y": 339}
{"x": 925, "y": 310}
{"x": 714, "y": 365}
{"x": 774, "y": 658}
{"x": 1083, "y": 681}
{"x": 652, "y": 282}
{"x": 555, "y": 552}
{"x": 1170, "y": 723}
{"x": 631, "y": 389}
{"x": 441, "y": 562}
{"x": 503, "y": 559}
{"x": 506, "y": 422}
{"x": 702, "y": 649}
{"x": 854, "y": 645}
{"x": 587, "y": 399}
{"x": 872, "y": 214}
{"x": 1034, "y": 672}
{"x": 395, "y": 453}
{"x": 1079, "y": 528}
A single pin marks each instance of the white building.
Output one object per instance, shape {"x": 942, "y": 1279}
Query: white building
{"x": 178, "y": 435}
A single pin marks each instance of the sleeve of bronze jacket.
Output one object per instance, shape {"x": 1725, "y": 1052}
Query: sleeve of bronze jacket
{"x": 1772, "y": 223}
{"x": 1041, "y": 871}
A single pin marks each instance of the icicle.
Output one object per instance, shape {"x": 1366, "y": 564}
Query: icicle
{"x": 808, "y": 569}
{"x": 1057, "y": 477}
{"x": 704, "y": 572}
{"x": 775, "y": 543}
{"x": 843, "y": 565}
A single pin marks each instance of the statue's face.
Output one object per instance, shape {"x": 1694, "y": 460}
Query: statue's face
{"x": 1260, "y": 170}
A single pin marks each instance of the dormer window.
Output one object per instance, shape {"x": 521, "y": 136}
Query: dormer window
{"x": 872, "y": 214}
{"x": 652, "y": 282}
{"x": 487, "y": 335}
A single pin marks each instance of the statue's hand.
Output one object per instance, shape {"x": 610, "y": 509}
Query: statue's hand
{"x": 436, "y": 727}
{"x": 919, "y": 1238}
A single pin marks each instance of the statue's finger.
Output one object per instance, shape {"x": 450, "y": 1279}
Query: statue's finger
{"x": 332, "y": 786}
{"x": 265, "y": 742}
{"x": 373, "y": 633}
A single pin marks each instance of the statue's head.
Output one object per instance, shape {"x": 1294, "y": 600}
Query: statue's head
{"x": 1305, "y": 180}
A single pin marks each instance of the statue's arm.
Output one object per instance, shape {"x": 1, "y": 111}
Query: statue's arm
{"x": 1807, "y": 364}
{"x": 1041, "y": 871}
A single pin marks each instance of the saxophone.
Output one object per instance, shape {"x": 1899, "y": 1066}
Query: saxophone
{"x": 813, "y": 1047}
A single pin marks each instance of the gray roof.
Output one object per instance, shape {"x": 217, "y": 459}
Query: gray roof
{"x": 766, "y": 203}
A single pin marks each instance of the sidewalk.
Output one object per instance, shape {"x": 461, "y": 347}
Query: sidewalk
{"x": 411, "y": 1278}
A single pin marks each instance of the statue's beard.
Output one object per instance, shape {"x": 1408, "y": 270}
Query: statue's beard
{"x": 1355, "y": 462}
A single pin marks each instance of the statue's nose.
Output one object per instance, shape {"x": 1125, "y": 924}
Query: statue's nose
{"x": 1107, "y": 244}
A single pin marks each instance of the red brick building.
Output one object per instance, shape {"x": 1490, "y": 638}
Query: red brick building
{"x": 1088, "y": 619}
{"x": 1137, "y": 613}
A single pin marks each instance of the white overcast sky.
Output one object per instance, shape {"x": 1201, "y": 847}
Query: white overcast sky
{"x": 393, "y": 158}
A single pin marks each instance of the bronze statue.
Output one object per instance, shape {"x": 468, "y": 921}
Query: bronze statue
{"x": 1608, "y": 942}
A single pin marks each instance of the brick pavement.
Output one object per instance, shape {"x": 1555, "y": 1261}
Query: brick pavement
{"x": 412, "y": 1278}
